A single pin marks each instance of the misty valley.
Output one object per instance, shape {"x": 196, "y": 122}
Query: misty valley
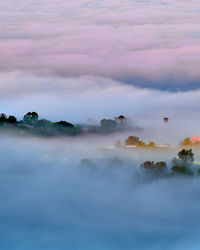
{"x": 98, "y": 190}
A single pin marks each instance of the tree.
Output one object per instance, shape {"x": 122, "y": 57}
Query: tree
{"x": 132, "y": 140}
{"x": 184, "y": 163}
{"x": 179, "y": 170}
{"x": 141, "y": 144}
{"x": 43, "y": 123}
{"x": 161, "y": 165}
{"x": 65, "y": 124}
{"x": 12, "y": 119}
{"x": 35, "y": 116}
{"x": 147, "y": 165}
{"x": 31, "y": 117}
{"x": 186, "y": 142}
{"x": 121, "y": 119}
{"x": 151, "y": 144}
{"x": 108, "y": 125}
{"x": 3, "y": 117}
{"x": 157, "y": 169}
{"x": 186, "y": 155}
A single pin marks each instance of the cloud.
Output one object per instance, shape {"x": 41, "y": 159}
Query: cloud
{"x": 50, "y": 202}
{"x": 79, "y": 98}
{"x": 148, "y": 44}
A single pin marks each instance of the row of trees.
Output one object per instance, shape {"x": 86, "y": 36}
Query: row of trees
{"x": 183, "y": 164}
{"x": 10, "y": 119}
{"x": 135, "y": 141}
{"x": 117, "y": 124}
{"x": 32, "y": 124}
{"x": 187, "y": 142}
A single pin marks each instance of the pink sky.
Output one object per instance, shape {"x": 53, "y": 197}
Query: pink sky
{"x": 149, "y": 40}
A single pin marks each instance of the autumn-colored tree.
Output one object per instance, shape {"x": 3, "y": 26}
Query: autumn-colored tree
{"x": 141, "y": 144}
{"x": 186, "y": 142}
{"x": 151, "y": 144}
{"x": 132, "y": 140}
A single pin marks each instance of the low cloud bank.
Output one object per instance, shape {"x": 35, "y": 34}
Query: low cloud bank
{"x": 89, "y": 97}
{"x": 49, "y": 202}
{"x": 147, "y": 44}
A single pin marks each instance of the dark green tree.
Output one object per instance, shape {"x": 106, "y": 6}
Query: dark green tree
{"x": 108, "y": 125}
{"x": 3, "y": 117}
{"x": 186, "y": 155}
{"x": 31, "y": 117}
{"x": 12, "y": 119}
{"x": 158, "y": 169}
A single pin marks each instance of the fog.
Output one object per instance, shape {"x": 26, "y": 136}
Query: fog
{"x": 156, "y": 46}
{"x": 50, "y": 201}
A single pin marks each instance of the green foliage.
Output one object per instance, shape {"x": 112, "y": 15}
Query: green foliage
{"x": 179, "y": 170}
{"x": 30, "y": 117}
{"x": 186, "y": 155}
{"x": 64, "y": 124}
{"x": 182, "y": 170}
{"x": 12, "y": 119}
{"x": 158, "y": 169}
{"x": 108, "y": 125}
{"x": 3, "y": 117}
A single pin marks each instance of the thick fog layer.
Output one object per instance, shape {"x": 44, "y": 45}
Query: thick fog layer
{"x": 50, "y": 201}
{"x": 145, "y": 43}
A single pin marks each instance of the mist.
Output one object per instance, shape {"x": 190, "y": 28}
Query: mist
{"x": 50, "y": 201}
{"x": 77, "y": 79}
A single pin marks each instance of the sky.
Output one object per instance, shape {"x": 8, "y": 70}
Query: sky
{"x": 89, "y": 59}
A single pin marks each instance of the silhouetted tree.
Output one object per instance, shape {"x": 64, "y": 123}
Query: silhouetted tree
{"x": 158, "y": 169}
{"x": 3, "y": 117}
{"x": 30, "y": 117}
{"x": 179, "y": 170}
{"x": 186, "y": 155}
{"x": 148, "y": 165}
{"x": 43, "y": 123}
{"x": 121, "y": 119}
{"x": 12, "y": 119}
{"x": 64, "y": 124}
{"x": 184, "y": 163}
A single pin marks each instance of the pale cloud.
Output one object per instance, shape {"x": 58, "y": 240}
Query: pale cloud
{"x": 79, "y": 98}
{"x": 148, "y": 44}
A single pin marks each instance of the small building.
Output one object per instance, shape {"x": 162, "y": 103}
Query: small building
{"x": 162, "y": 145}
{"x": 195, "y": 139}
